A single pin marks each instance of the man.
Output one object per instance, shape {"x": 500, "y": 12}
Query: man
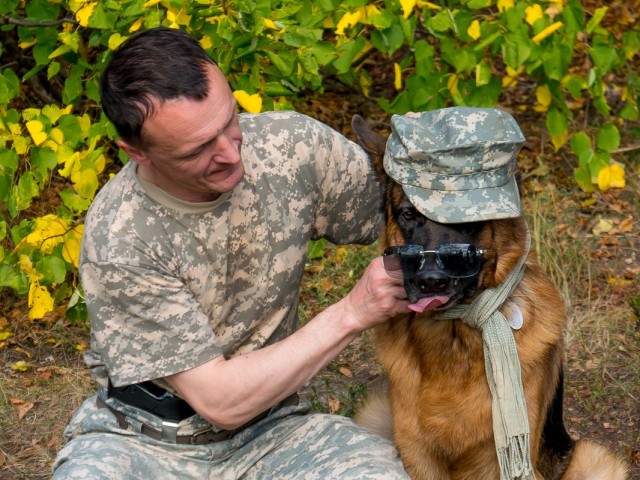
{"x": 191, "y": 264}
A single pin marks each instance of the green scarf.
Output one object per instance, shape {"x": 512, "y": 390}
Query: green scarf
{"x": 502, "y": 366}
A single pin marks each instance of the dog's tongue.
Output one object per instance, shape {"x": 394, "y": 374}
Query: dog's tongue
{"x": 428, "y": 303}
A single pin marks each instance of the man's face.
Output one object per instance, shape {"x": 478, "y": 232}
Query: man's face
{"x": 193, "y": 150}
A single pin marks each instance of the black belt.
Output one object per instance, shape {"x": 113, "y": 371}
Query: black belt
{"x": 168, "y": 432}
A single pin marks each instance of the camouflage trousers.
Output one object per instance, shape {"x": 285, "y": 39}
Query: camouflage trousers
{"x": 290, "y": 443}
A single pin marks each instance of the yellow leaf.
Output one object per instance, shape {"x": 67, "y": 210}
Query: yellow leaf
{"x": 36, "y": 128}
{"x": 452, "y": 85}
{"x": 72, "y": 242}
{"x": 15, "y": 128}
{"x": 57, "y": 135}
{"x": 20, "y": 145}
{"x": 348, "y": 20}
{"x": 603, "y": 226}
{"x": 611, "y": 176}
{"x": 558, "y": 140}
{"x": 150, "y": 3}
{"x": 26, "y": 266}
{"x": 397, "y": 83}
{"x": 407, "y": 7}
{"x": 367, "y": 12}
{"x": 251, "y": 103}
{"x": 433, "y": 6}
{"x": 270, "y": 24}
{"x": 115, "y": 41}
{"x": 20, "y": 366}
{"x": 533, "y": 13}
{"x": 5, "y": 335}
{"x": 40, "y": 301}
{"x": 85, "y": 183}
{"x": 546, "y": 32}
{"x": 31, "y": 113}
{"x": 618, "y": 282}
{"x": 47, "y": 233}
{"x": 84, "y": 14}
{"x": 543, "y": 95}
{"x": 509, "y": 82}
{"x": 136, "y": 25}
{"x": 206, "y": 43}
{"x": 25, "y": 45}
{"x": 474, "y": 30}
{"x": 504, "y": 5}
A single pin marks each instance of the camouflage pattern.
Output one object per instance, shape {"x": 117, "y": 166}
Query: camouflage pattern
{"x": 170, "y": 285}
{"x": 288, "y": 444}
{"x": 457, "y": 164}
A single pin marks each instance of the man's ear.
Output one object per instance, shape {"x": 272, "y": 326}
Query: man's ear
{"x": 134, "y": 153}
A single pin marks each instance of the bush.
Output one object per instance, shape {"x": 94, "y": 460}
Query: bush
{"x": 56, "y": 147}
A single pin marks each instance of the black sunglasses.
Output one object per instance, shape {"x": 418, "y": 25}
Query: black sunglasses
{"x": 457, "y": 260}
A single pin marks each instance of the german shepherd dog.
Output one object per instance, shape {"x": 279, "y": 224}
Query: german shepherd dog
{"x": 436, "y": 404}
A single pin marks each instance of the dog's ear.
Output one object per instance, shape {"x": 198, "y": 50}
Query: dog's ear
{"x": 373, "y": 143}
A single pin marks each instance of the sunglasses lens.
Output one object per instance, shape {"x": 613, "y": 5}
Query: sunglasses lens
{"x": 459, "y": 260}
{"x": 408, "y": 258}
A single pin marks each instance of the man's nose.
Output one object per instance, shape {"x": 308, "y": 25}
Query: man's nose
{"x": 228, "y": 149}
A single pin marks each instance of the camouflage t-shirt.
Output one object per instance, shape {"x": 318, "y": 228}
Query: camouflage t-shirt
{"x": 171, "y": 285}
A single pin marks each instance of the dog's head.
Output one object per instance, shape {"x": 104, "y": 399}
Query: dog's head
{"x": 451, "y": 261}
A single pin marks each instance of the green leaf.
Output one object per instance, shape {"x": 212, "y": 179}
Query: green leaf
{"x": 388, "y": 40}
{"x": 346, "y": 54}
{"x": 27, "y": 189}
{"x": 595, "y": 20}
{"x": 582, "y": 176}
{"x": 604, "y": 57}
{"x": 316, "y": 248}
{"x": 9, "y": 85}
{"x": 8, "y": 160}
{"x": 608, "y": 137}
{"x": 53, "y": 269}
{"x": 580, "y": 143}
{"x": 281, "y": 62}
{"x": 5, "y": 186}
{"x": 70, "y": 126}
{"x": 13, "y": 278}
{"x": 478, "y": 4}
{"x": 74, "y": 201}
{"x": 556, "y": 123}
{"x": 73, "y": 85}
{"x": 598, "y": 161}
{"x": 441, "y": 21}
{"x": 101, "y": 19}
{"x": 43, "y": 160}
{"x": 631, "y": 42}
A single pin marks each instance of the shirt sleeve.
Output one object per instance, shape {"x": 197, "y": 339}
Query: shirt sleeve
{"x": 348, "y": 206}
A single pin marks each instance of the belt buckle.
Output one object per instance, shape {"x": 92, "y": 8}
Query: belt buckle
{"x": 169, "y": 431}
{"x": 194, "y": 438}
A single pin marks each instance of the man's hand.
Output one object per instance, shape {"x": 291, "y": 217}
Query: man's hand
{"x": 378, "y": 296}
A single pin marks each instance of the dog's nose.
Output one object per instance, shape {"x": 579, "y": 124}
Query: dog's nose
{"x": 432, "y": 282}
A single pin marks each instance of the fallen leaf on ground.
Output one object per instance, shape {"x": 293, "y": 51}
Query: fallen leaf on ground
{"x": 22, "y": 407}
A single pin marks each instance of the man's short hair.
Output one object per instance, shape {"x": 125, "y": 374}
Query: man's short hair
{"x": 158, "y": 64}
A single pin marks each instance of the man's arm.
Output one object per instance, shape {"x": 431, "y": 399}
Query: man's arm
{"x": 229, "y": 393}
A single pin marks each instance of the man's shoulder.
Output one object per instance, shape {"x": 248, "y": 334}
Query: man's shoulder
{"x": 278, "y": 121}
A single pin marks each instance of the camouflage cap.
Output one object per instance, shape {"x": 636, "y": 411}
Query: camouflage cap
{"x": 457, "y": 164}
